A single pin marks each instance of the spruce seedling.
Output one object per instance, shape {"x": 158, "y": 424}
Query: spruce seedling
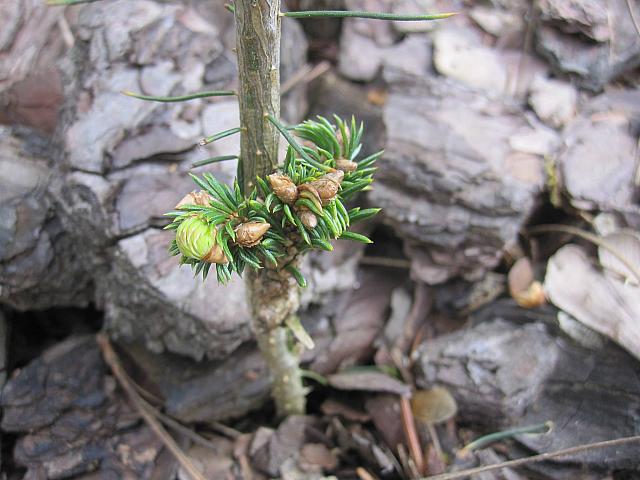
{"x": 277, "y": 210}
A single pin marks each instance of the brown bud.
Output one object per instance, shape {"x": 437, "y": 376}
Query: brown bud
{"x": 283, "y": 187}
{"x": 328, "y": 185}
{"x": 346, "y": 165}
{"x": 249, "y": 234}
{"x": 195, "y": 198}
{"x": 308, "y": 218}
{"x": 216, "y": 255}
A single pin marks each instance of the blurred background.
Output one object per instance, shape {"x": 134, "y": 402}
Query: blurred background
{"x": 504, "y": 269}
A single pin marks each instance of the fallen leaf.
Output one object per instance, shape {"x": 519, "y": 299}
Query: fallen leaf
{"x": 331, "y": 407}
{"x": 435, "y": 465}
{"x": 435, "y": 405}
{"x": 361, "y": 440}
{"x": 384, "y": 410}
{"x": 599, "y": 299}
{"x": 627, "y": 244}
{"x": 318, "y": 454}
{"x": 368, "y": 381}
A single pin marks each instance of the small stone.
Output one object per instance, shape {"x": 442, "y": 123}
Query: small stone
{"x": 603, "y": 131}
{"x": 541, "y": 141}
{"x": 593, "y": 41}
{"x": 553, "y": 101}
{"x": 589, "y": 17}
{"x": 517, "y": 372}
{"x": 360, "y": 57}
{"x": 451, "y": 183}
{"x": 496, "y": 21}
{"x": 364, "y": 51}
{"x": 459, "y": 54}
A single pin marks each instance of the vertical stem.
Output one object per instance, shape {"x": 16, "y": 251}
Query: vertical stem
{"x": 287, "y": 390}
{"x": 258, "y": 47}
{"x": 273, "y": 295}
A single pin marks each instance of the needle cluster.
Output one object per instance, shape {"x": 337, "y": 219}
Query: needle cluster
{"x": 300, "y": 207}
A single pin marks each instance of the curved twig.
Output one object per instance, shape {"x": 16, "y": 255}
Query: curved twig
{"x": 634, "y": 20}
{"x": 601, "y": 242}
{"x": 535, "y": 458}
{"x": 112, "y": 360}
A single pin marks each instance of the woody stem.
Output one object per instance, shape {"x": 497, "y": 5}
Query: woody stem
{"x": 273, "y": 294}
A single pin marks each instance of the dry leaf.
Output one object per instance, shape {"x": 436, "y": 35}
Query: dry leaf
{"x": 598, "y": 299}
{"x": 435, "y": 405}
{"x": 318, "y": 454}
{"x": 368, "y": 381}
{"x": 331, "y": 407}
{"x": 627, "y": 244}
{"x": 384, "y": 410}
{"x": 523, "y": 287}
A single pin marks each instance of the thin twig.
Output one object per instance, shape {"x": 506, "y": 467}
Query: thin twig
{"x": 305, "y": 75}
{"x": 294, "y": 79}
{"x": 186, "y": 431}
{"x": 526, "y": 48}
{"x": 240, "y": 453}
{"x": 601, "y": 242}
{"x": 634, "y": 20}
{"x": 535, "y": 458}
{"x": 407, "y": 465}
{"x": 636, "y": 179}
{"x": 612, "y": 36}
{"x": 148, "y": 399}
{"x": 146, "y": 395}
{"x": 112, "y": 360}
{"x": 225, "y": 430}
{"x": 65, "y": 30}
{"x": 422, "y": 303}
{"x": 363, "y": 474}
{"x": 433, "y": 433}
{"x": 409, "y": 424}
